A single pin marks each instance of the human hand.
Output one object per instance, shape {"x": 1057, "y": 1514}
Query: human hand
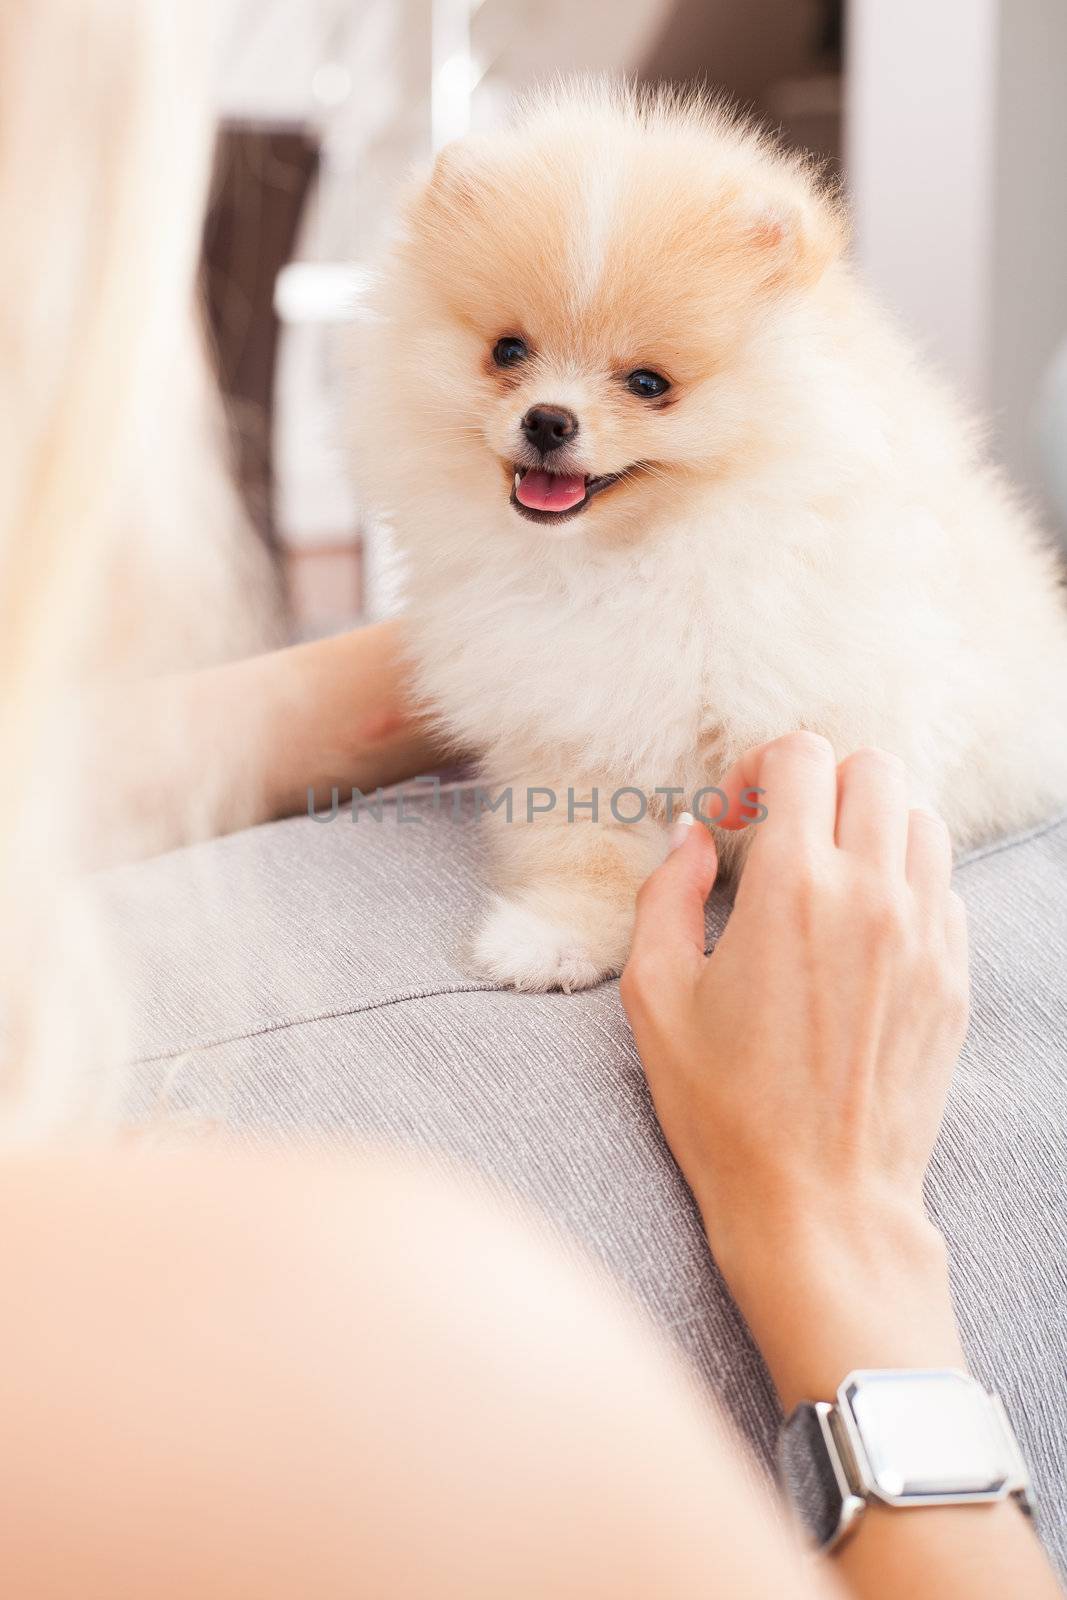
{"x": 800, "y": 1072}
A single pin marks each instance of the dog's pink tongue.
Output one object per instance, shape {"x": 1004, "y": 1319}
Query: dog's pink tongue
{"x": 550, "y": 491}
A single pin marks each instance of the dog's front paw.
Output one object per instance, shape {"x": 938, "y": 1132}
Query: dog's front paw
{"x": 532, "y": 951}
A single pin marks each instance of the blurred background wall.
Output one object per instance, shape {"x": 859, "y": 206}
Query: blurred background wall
{"x": 948, "y": 122}
{"x": 956, "y": 159}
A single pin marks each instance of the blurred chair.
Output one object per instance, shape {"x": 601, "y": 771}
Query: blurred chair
{"x": 263, "y": 176}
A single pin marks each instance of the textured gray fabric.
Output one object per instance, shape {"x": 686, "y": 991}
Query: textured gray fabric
{"x": 303, "y": 979}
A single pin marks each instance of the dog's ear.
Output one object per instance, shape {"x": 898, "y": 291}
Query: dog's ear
{"x": 791, "y": 235}
{"x": 453, "y": 196}
{"x": 459, "y": 173}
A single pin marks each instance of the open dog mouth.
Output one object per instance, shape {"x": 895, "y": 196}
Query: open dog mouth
{"x": 555, "y": 496}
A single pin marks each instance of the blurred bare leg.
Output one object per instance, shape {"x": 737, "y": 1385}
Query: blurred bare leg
{"x": 261, "y": 1376}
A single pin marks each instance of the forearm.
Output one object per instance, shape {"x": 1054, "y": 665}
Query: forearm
{"x": 205, "y": 752}
{"x": 866, "y": 1291}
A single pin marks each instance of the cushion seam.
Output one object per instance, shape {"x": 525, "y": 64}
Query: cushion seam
{"x": 982, "y": 852}
{"x": 303, "y": 1019}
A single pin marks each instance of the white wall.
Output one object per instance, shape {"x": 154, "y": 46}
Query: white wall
{"x": 920, "y": 144}
{"x": 956, "y": 154}
{"x": 1029, "y": 280}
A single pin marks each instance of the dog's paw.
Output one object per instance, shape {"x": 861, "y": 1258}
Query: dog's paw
{"x": 530, "y": 951}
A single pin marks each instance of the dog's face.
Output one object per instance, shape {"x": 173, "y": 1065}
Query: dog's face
{"x": 586, "y": 295}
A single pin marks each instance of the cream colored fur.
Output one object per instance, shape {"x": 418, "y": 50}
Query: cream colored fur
{"x": 815, "y": 540}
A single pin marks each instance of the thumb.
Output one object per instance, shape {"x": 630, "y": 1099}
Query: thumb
{"x": 669, "y": 928}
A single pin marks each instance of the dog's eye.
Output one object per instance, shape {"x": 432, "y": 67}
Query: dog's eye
{"x": 509, "y": 351}
{"x": 647, "y": 384}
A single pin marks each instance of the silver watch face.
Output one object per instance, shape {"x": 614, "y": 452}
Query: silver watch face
{"x": 925, "y": 1434}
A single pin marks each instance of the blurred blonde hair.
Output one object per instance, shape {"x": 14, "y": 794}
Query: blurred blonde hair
{"x": 121, "y": 542}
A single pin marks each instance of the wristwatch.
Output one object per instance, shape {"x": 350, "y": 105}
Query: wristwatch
{"x": 903, "y": 1437}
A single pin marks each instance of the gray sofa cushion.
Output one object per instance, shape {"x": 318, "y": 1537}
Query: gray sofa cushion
{"x": 302, "y": 980}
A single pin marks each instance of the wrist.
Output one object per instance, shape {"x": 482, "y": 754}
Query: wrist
{"x": 824, "y": 1291}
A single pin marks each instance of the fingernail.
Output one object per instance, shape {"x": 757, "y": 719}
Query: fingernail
{"x": 681, "y": 830}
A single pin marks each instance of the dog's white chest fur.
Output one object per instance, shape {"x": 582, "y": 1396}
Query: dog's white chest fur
{"x": 601, "y": 656}
{"x": 655, "y": 665}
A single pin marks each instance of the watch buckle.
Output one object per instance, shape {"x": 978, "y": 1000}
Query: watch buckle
{"x": 846, "y": 1473}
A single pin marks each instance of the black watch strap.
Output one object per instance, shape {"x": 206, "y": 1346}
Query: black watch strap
{"x": 808, "y": 1474}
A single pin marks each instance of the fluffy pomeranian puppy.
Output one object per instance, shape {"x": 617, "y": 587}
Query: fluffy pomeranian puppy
{"x": 669, "y": 484}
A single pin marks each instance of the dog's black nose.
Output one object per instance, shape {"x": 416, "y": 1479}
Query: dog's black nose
{"x": 548, "y": 427}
